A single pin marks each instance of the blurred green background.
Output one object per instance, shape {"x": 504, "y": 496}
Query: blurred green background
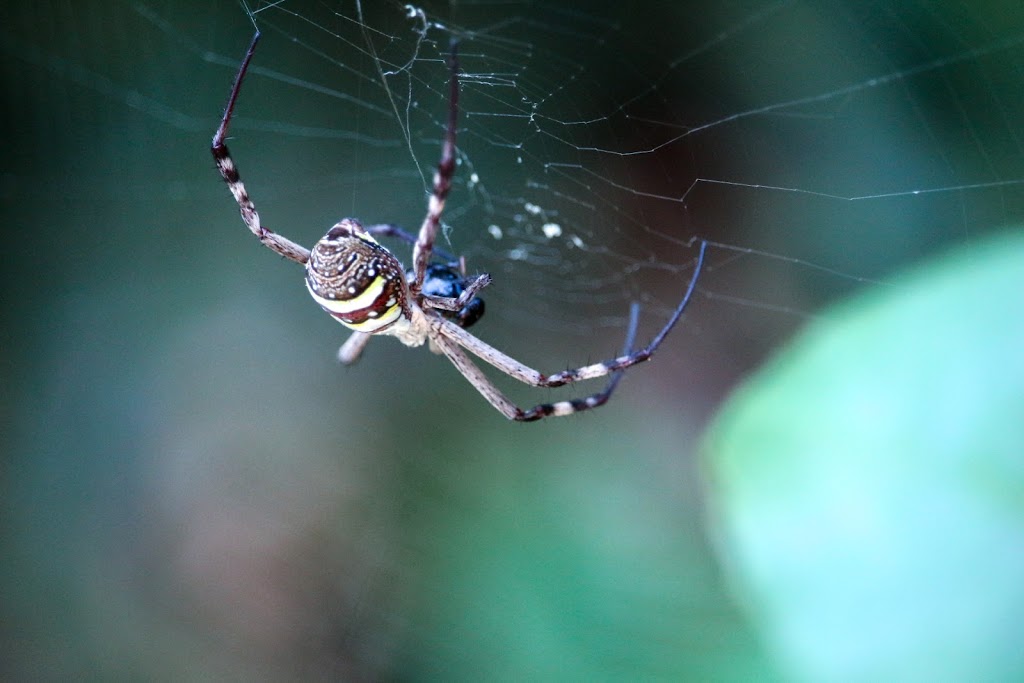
{"x": 193, "y": 489}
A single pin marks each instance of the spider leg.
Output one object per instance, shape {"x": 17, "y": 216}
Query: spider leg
{"x": 229, "y": 172}
{"x": 391, "y": 230}
{"x": 496, "y": 398}
{"x": 353, "y": 347}
{"x": 477, "y": 378}
{"x": 457, "y": 303}
{"x": 597, "y": 400}
{"x": 524, "y": 373}
{"x": 424, "y": 245}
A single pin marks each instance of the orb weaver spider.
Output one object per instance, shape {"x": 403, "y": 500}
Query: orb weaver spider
{"x": 361, "y": 284}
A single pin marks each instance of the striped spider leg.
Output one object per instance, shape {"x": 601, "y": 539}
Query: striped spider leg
{"x": 361, "y": 284}
{"x": 222, "y": 158}
{"x": 452, "y": 337}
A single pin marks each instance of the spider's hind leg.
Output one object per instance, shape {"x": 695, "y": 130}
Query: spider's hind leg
{"x": 392, "y": 230}
{"x": 353, "y": 348}
{"x": 494, "y": 396}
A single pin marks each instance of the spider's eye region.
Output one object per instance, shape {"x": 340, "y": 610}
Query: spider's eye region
{"x": 357, "y": 281}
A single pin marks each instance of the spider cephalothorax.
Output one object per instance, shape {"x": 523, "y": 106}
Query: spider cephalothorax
{"x": 361, "y": 284}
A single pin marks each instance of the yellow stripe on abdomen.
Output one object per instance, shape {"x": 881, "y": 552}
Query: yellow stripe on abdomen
{"x": 371, "y": 324}
{"x": 363, "y": 311}
{"x": 360, "y": 301}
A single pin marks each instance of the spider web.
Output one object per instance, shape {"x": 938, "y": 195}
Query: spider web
{"x": 818, "y": 147}
{"x": 159, "y": 358}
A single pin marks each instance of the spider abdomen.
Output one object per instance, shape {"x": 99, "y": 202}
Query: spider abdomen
{"x": 356, "y": 280}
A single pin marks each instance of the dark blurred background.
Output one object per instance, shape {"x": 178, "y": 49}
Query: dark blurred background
{"x": 193, "y": 489}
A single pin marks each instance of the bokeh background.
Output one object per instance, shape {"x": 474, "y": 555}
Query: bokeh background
{"x": 190, "y": 486}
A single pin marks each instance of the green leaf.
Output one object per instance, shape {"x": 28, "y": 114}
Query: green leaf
{"x": 867, "y": 486}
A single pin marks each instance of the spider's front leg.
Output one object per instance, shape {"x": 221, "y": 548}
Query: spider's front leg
{"x": 229, "y": 172}
{"x": 424, "y": 246}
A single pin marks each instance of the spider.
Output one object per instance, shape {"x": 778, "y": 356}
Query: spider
{"x": 362, "y": 285}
